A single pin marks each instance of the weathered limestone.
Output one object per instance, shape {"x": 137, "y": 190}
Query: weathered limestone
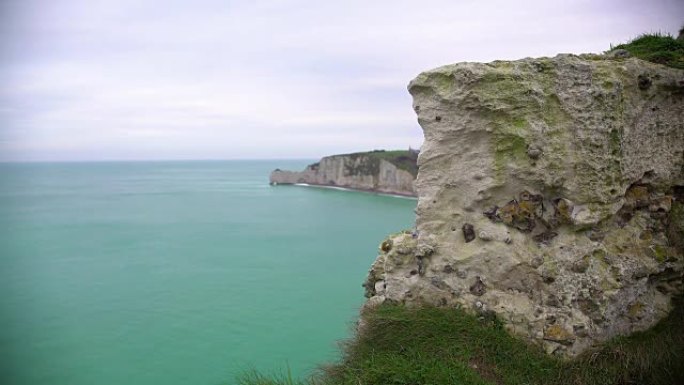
{"x": 551, "y": 192}
{"x": 361, "y": 171}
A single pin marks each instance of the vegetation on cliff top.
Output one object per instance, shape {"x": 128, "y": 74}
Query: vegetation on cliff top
{"x": 402, "y": 159}
{"x": 431, "y": 345}
{"x": 657, "y": 48}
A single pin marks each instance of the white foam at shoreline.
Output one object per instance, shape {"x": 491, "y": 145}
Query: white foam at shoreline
{"x": 353, "y": 190}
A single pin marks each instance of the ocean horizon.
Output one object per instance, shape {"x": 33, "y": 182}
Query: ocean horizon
{"x": 179, "y": 271}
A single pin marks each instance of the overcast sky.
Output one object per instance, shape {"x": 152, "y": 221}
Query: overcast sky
{"x": 204, "y": 79}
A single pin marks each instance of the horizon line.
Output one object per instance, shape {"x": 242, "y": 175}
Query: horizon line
{"x": 145, "y": 160}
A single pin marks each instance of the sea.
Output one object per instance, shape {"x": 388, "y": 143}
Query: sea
{"x": 191, "y": 272}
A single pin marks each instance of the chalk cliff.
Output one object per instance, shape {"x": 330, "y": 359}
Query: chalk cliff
{"x": 550, "y": 192}
{"x": 391, "y": 172}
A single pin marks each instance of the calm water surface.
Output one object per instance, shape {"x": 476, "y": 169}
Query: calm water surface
{"x": 178, "y": 272}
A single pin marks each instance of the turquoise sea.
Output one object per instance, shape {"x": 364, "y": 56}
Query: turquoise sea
{"x": 178, "y": 272}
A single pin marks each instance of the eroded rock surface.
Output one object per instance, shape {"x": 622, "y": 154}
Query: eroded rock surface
{"x": 570, "y": 171}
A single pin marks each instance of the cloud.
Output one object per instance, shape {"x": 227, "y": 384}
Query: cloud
{"x": 122, "y": 79}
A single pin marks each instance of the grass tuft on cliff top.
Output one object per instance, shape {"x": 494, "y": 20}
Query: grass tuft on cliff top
{"x": 429, "y": 345}
{"x": 657, "y": 48}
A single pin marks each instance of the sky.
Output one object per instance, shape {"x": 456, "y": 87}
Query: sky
{"x": 207, "y": 79}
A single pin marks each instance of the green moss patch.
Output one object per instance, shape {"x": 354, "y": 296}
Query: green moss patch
{"x": 508, "y": 148}
{"x": 675, "y": 229}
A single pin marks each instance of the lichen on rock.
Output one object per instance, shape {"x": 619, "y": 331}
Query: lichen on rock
{"x": 566, "y": 177}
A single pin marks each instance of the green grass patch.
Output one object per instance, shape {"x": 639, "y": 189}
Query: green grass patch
{"x": 657, "y": 48}
{"x": 402, "y": 345}
{"x": 253, "y": 377}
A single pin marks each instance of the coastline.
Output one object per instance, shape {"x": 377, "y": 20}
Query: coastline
{"x": 353, "y": 189}
{"x": 379, "y": 171}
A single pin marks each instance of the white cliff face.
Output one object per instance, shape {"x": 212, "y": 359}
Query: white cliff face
{"x": 355, "y": 171}
{"x": 550, "y": 193}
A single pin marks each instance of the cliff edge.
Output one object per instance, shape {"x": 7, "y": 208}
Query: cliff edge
{"x": 390, "y": 172}
{"x": 550, "y": 192}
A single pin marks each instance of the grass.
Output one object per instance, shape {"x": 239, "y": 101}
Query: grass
{"x": 253, "y": 377}
{"x": 429, "y": 345}
{"x": 657, "y": 48}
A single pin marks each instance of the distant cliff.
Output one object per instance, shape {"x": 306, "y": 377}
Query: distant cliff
{"x": 390, "y": 172}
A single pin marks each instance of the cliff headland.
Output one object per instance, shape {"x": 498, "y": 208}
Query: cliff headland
{"x": 388, "y": 172}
